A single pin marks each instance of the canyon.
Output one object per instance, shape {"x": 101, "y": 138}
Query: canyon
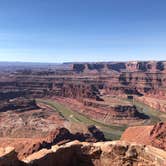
{"x": 43, "y": 108}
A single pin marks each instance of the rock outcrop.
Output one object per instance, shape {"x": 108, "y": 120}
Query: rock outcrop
{"x": 116, "y": 153}
{"x": 149, "y": 135}
{"x": 27, "y": 146}
{"x": 62, "y": 134}
{"x": 158, "y": 136}
{"x": 8, "y": 157}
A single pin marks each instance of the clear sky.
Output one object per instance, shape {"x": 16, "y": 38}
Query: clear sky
{"x": 82, "y": 30}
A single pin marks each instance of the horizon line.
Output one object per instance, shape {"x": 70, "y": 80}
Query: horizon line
{"x": 63, "y": 62}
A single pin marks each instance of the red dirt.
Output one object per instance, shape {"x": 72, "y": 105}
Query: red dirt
{"x": 148, "y": 135}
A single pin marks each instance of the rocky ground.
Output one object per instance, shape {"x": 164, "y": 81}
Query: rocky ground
{"x": 116, "y": 153}
{"x": 148, "y": 135}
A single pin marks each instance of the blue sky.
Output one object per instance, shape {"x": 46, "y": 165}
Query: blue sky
{"x": 82, "y": 30}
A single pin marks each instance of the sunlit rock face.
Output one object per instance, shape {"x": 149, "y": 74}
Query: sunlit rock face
{"x": 91, "y": 154}
{"x": 149, "y": 135}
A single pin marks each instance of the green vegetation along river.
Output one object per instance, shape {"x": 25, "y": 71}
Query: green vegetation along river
{"x": 110, "y": 131}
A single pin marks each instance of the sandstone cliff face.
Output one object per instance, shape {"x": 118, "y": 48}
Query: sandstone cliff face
{"x": 158, "y": 136}
{"x": 136, "y": 78}
{"x": 144, "y": 66}
{"x": 116, "y": 153}
{"x": 85, "y": 80}
{"x": 149, "y": 135}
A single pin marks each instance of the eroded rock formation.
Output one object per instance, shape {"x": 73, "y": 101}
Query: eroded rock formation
{"x": 27, "y": 146}
{"x": 8, "y": 157}
{"x": 96, "y": 154}
{"x": 158, "y": 136}
{"x": 149, "y": 135}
